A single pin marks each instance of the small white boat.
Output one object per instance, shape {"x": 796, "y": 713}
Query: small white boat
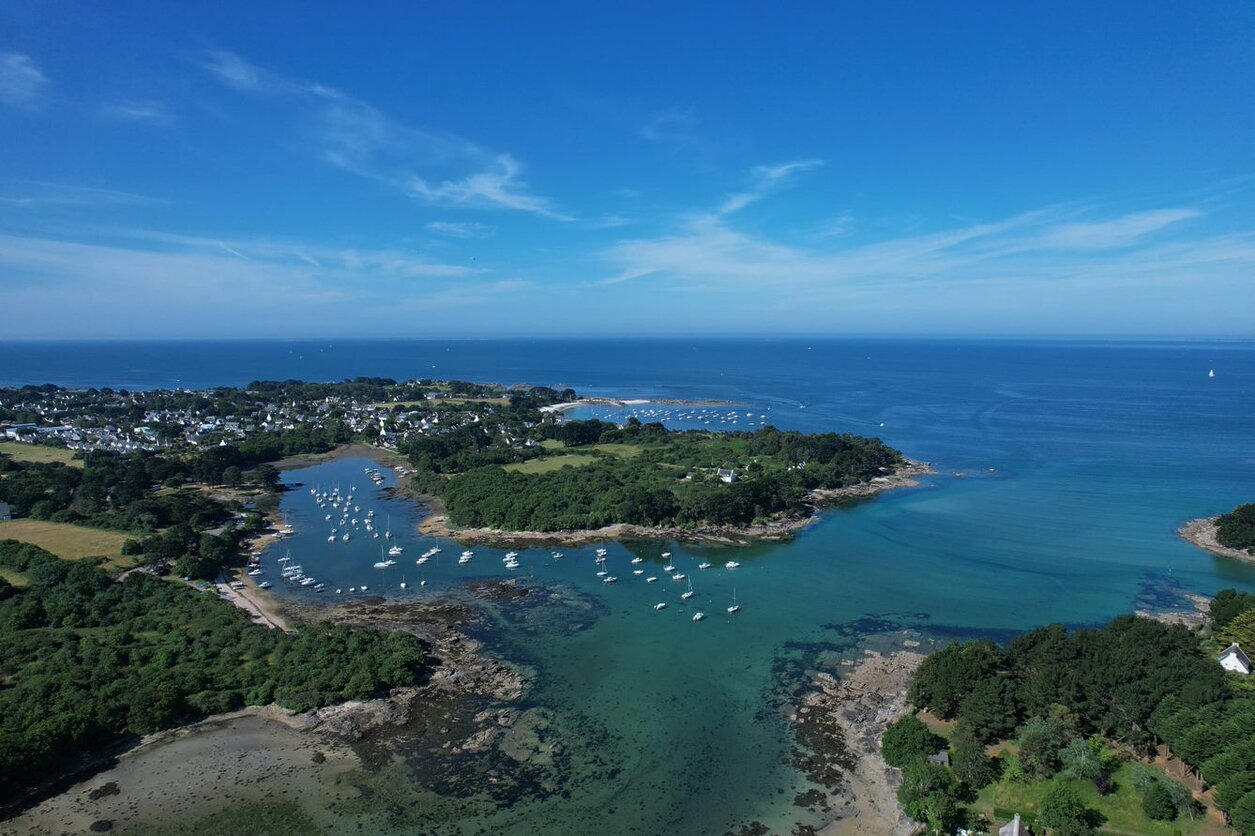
{"x": 264, "y": 585}
{"x": 678, "y": 576}
{"x": 638, "y": 571}
{"x": 395, "y": 550}
{"x": 338, "y": 592}
{"x": 558, "y": 555}
{"x": 255, "y": 572}
{"x": 651, "y": 579}
{"x": 331, "y": 538}
{"x": 352, "y": 589}
{"x": 687, "y": 595}
{"x": 609, "y": 579}
{"x": 1211, "y": 372}
{"x": 422, "y": 583}
{"x": 467, "y": 554}
{"x": 668, "y": 568}
{"x": 403, "y": 584}
{"x": 511, "y": 555}
{"x": 661, "y": 605}
{"x": 666, "y": 555}
{"x": 638, "y": 560}
{"x": 731, "y": 564}
{"x": 705, "y": 564}
{"x": 602, "y": 573}
{"x": 345, "y": 537}
{"x": 601, "y": 552}
{"x": 698, "y": 616}
{"x": 362, "y": 588}
{"x": 381, "y": 564}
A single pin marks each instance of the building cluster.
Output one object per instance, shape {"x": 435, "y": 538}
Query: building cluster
{"x": 126, "y": 422}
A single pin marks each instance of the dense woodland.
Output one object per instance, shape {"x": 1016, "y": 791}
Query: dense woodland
{"x": 87, "y": 662}
{"x": 1236, "y": 529}
{"x": 642, "y": 474}
{"x": 1076, "y": 703}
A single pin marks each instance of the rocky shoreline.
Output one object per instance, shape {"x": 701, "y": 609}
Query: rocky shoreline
{"x": 1202, "y": 533}
{"x": 906, "y": 476}
{"x": 261, "y": 753}
{"x": 838, "y": 723}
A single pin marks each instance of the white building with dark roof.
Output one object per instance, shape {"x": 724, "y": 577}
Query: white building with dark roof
{"x": 1233, "y": 659}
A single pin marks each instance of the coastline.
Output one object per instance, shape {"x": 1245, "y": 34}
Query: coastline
{"x": 1202, "y": 533}
{"x": 437, "y": 523}
{"x": 839, "y": 721}
{"x": 559, "y": 408}
{"x": 263, "y": 755}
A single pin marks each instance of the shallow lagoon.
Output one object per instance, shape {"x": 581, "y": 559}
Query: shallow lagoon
{"x": 1062, "y": 475}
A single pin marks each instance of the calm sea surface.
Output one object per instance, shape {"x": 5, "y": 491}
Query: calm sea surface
{"x": 1063, "y": 471}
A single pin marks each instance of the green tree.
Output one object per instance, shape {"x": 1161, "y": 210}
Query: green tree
{"x": 990, "y": 710}
{"x": 928, "y": 794}
{"x": 1090, "y": 760}
{"x": 968, "y": 759}
{"x": 907, "y": 739}
{"x": 1040, "y": 742}
{"x": 1240, "y": 629}
{"x": 1157, "y": 803}
{"x": 1063, "y": 811}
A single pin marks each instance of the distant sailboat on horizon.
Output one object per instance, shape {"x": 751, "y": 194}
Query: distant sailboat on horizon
{"x": 1211, "y": 372}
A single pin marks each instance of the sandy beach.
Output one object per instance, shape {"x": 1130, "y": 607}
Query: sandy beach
{"x": 1202, "y": 533}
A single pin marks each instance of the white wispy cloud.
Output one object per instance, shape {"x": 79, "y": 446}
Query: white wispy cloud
{"x": 147, "y": 112}
{"x": 170, "y": 285}
{"x": 21, "y": 81}
{"x": 438, "y": 168}
{"x": 674, "y": 125}
{"x": 36, "y": 194}
{"x": 1038, "y": 246}
{"x": 460, "y": 229}
{"x": 499, "y": 187}
{"x": 765, "y": 178}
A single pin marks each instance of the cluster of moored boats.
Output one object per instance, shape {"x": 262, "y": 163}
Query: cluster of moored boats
{"x": 353, "y": 520}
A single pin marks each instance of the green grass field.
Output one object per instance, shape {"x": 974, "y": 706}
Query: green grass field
{"x": 551, "y": 463}
{"x": 71, "y": 542}
{"x": 38, "y": 453}
{"x": 1122, "y": 808}
{"x": 626, "y": 451}
{"x": 14, "y": 578}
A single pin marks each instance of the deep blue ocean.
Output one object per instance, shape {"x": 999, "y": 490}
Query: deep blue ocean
{"x": 1063, "y": 472}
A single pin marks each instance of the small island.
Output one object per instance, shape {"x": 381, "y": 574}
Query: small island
{"x": 1230, "y": 535}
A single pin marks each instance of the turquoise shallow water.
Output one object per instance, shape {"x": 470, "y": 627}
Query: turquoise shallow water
{"x": 1078, "y": 463}
{"x": 1080, "y": 460}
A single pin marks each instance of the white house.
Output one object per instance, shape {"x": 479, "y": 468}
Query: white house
{"x": 1233, "y": 659}
{"x": 726, "y": 476}
{"x": 1013, "y": 828}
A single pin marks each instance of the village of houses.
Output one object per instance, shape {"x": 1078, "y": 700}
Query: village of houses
{"x": 127, "y": 422}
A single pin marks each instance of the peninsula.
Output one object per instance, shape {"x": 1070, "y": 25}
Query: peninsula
{"x": 1229, "y": 535}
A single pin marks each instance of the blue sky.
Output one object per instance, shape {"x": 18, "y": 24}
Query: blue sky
{"x": 418, "y": 169}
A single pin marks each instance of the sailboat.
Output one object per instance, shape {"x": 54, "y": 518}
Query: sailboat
{"x": 689, "y": 594}
{"x": 735, "y": 606}
{"x": 1211, "y": 372}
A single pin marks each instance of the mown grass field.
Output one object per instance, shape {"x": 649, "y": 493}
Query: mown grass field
{"x": 1122, "y": 808}
{"x": 38, "y": 453}
{"x": 552, "y": 463}
{"x": 70, "y": 542}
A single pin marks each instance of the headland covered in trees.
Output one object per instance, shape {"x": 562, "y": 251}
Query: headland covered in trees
{"x": 502, "y": 462}
{"x": 1133, "y": 726}
{"x": 1231, "y": 534}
